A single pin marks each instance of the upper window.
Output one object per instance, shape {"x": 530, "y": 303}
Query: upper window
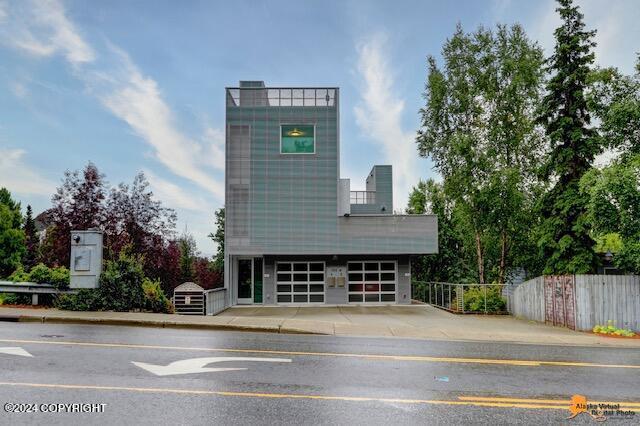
{"x": 297, "y": 139}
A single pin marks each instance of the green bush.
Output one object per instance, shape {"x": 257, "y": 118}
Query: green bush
{"x": 123, "y": 287}
{"x": 60, "y": 277}
{"x": 86, "y": 299}
{"x": 474, "y": 299}
{"x": 15, "y": 299}
{"x": 19, "y": 275}
{"x": 611, "y": 329}
{"x": 40, "y": 274}
{"x": 154, "y": 298}
{"x": 121, "y": 284}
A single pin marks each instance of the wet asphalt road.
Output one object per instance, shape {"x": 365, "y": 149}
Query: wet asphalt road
{"x": 329, "y": 380}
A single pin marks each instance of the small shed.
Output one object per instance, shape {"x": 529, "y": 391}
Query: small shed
{"x": 188, "y": 299}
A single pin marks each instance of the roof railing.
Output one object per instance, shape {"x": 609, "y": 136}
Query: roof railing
{"x": 363, "y": 197}
{"x": 269, "y": 96}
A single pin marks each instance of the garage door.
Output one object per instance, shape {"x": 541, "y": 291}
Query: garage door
{"x": 371, "y": 282}
{"x": 300, "y": 282}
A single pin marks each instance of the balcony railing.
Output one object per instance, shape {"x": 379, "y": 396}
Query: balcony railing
{"x": 363, "y": 197}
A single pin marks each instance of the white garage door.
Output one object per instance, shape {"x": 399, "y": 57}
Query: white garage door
{"x": 372, "y": 281}
{"x": 300, "y": 282}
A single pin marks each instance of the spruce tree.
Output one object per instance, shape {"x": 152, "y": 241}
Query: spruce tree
{"x": 32, "y": 242}
{"x": 564, "y": 232}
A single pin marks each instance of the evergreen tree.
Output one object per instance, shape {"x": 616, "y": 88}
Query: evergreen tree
{"x": 31, "y": 255}
{"x": 564, "y": 237}
{"x": 11, "y": 235}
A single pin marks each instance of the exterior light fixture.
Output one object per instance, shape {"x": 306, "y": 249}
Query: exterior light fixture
{"x": 295, "y": 132}
{"x": 608, "y": 256}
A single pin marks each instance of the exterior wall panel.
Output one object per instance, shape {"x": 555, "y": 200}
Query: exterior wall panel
{"x": 288, "y": 203}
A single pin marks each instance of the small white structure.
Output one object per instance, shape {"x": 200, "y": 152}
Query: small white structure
{"x": 86, "y": 259}
{"x": 188, "y": 299}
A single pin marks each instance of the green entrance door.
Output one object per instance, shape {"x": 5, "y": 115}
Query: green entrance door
{"x": 249, "y": 280}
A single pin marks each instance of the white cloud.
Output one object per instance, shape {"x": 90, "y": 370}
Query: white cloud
{"x": 175, "y": 196}
{"x": 137, "y": 100}
{"x": 379, "y": 116}
{"x": 214, "y": 139}
{"x": 18, "y": 177}
{"x": 41, "y": 28}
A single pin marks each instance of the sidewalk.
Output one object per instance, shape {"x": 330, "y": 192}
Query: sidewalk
{"x": 414, "y": 322}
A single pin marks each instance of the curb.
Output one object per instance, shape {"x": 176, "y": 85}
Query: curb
{"x": 9, "y": 318}
{"x": 155, "y": 324}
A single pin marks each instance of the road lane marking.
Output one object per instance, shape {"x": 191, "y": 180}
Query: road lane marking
{"x": 627, "y": 404}
{"x": 15, "y": 351}
{"x": 512, "y": 362}
{"x": 197, "y": 365}
{"x": 530, "y": 405}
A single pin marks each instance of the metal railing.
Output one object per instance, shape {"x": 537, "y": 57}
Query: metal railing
{"x": 363, "y": 197}
{"x": 216, "y": 300}
{"x": 34, "y": 289}
{"x": 461, "y": 298}
{"x": 281, "y": 96}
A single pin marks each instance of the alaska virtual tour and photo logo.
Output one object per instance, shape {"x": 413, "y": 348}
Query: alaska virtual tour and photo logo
{"x": 600, "y": 411}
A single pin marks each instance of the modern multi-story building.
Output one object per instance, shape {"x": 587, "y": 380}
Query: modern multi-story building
{"x": 295, "y": 232}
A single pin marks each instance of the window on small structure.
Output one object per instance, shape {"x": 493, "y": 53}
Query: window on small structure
{"x": 297, "y": 139}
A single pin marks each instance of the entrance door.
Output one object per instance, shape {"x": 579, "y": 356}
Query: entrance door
{"x": 249, "y": 280}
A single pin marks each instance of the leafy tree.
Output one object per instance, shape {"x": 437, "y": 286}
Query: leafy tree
{"x": 614, "y": 210}
{"x": 134, "y": 218}
{"x": 206, "y": 274}
{"x": 450, "y": 265}
{"x": 188, "y": 254}
{"x": 564, "y": 234}
{"x": 168, "y": 271}
{"x": 128, "y": 215}
{"x": 12, "y": 239}
{"x": 478, "y": 128}
{"x": 218, "y": 238}
{"x": 32, "y": 242}
{"x": 77, "y": 204}
{"x": 614, "y": 99}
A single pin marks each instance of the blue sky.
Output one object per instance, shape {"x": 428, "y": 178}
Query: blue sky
{"x": 139, "y": 85}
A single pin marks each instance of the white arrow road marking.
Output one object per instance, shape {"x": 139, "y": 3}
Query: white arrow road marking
{"x": 197, "y": 365}
{"x": 15, "y": 351}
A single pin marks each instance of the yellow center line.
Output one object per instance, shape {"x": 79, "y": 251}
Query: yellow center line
{"x": 530, "y": 405}
{"x": 513, "y": 362}
{"x": 564, "y": 402}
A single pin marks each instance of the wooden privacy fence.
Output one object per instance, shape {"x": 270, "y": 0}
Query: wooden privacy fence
{"x": 579, "y": 301}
